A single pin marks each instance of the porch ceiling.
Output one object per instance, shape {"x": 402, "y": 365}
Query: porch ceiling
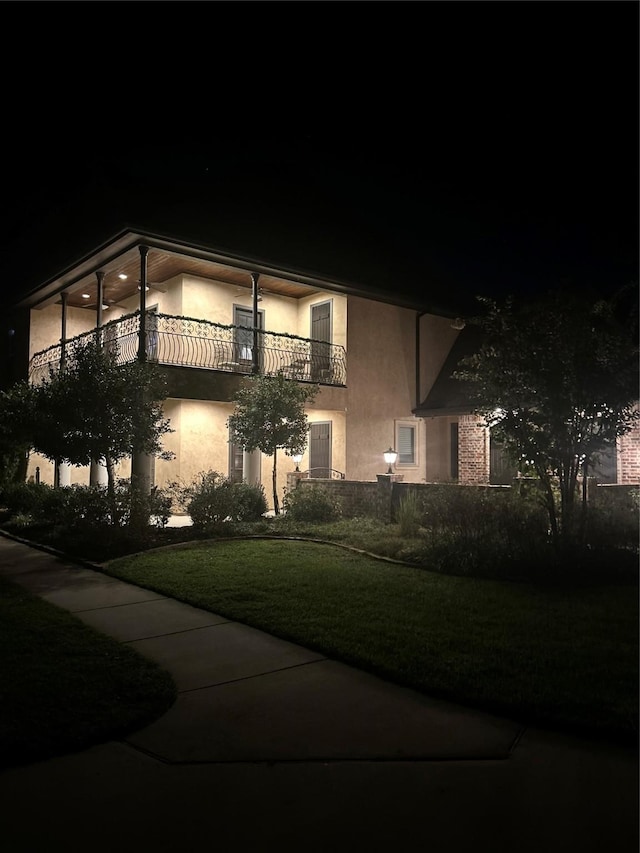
{"x": 163, "y": 265}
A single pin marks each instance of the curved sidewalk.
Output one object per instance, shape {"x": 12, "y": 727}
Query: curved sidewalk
{"x": 272, "y": 746}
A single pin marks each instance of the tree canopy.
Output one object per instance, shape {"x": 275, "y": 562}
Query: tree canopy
{"x": 95, "y": 409}
{"x": 557, "y": 381}
{"x": 270, "y": 415}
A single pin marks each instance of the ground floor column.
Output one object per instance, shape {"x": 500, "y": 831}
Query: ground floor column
{"x": 252, "y": 467}
{"x": 142, "y": 471}
{"x": 62, "y": 474}
{"x": 97, "y": 474}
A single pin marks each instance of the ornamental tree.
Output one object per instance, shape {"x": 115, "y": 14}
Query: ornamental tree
{"x": 16, "y": 413}
{"x": 98, "y": 410}
{"x": 556, "y": 380}
{"x": 270, "y": 415}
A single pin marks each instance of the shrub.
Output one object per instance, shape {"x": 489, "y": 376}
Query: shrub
{"x": 312, "y": 503}
{"x": 484, "y": 532}
{"x": 612, "y": 520}
{"x": 78, "y": 507}
{"x": 210, "y": 500}
{"x": 213, "y": 499}
{"x": 25, "y": 498}
{"x": 139, "y": 507}
{"x": 409, "y": 514}
{"x": 75, "y": 507}
{"x": 250, "y": 502}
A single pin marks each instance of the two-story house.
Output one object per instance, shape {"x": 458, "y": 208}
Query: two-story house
{"x": 210, "y": 319}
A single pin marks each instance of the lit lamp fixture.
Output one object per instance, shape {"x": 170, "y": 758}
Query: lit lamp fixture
{"x": 297, "y": 458}
{"x": 390, "y": 457}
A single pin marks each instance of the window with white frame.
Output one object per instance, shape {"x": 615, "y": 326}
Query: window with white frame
{"x": 406, "y": 443}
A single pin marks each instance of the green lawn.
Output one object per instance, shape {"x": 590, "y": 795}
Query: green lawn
{"x": 63, "y": 685}
{"x": 556, "y": 656}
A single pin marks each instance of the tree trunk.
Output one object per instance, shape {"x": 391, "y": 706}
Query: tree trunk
{"x": 111, "y": 491}
{"x": 549, "y": 502}
{"x": 276, "y": 504}
{"x": 584, "y": 508}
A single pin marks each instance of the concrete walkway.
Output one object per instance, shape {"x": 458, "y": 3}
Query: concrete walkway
{"x": 270, "y": 746}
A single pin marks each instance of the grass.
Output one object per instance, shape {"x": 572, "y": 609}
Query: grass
{"x": 64, "y": 686}
{"x": 557, "y": 656}
{"x": 562, "y": 652}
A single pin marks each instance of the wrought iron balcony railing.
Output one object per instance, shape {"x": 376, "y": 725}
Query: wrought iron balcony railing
{"x": 187, "y": 342}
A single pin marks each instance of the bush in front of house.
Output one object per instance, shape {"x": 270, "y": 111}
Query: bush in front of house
{"x": 409, "y": 514}
{"x": 612, "y": 519}
{"x": 482, "y": 531}
{"x": 250, "y": 502}
{"x": 312, "y": 503}
{"x": 79, "y": 507}
{"x": 212, "y": 499}
{"x": 26, "y": 499}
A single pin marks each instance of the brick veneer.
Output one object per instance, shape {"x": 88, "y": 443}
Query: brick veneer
{"x": 629, "y": 457}
{"x": 473, "y": 451}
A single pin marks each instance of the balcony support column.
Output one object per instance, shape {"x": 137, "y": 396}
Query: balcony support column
{"x": 142, "y": 333}
{"x": 62, "y": 470}
{"x": 142, "y": 463}
{"x": 98, "y": 471}
{"x": 63, "y": 332}
{"x": 100, "y": 277}
{"x": 255, "y": 355}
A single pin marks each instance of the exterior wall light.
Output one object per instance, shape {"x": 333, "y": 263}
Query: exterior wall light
{"x": 297, "y": 458}
{"x": 390, "y": 457}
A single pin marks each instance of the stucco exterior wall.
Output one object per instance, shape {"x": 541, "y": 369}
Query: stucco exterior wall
{"x": 436, "y": 339}
{"x": 380, "y": 386}
{"x": 46, "y": 325}
{"x": 166, "y": 471}
{"x": 200, "y": 442}
{"x": 280, "y": 313}
{"x": 203, "y": 299}
{"x": 438, "y": 449}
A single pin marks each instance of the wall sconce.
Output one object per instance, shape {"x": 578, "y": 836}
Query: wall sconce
{"x": 297, "y": 458}
{"x": 390, "y": 457}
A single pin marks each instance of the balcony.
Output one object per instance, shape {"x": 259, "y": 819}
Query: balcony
{"x": 186, "y": 342}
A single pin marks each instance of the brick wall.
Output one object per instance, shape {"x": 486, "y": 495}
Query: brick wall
{"x": 629, "y": 457}
{"x": 361, "y": 498}
{"x": 357, "y": 497}
{"x": 473, "y": 451}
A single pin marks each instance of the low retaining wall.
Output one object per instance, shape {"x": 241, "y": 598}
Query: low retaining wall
{"x": 380, "y": 499}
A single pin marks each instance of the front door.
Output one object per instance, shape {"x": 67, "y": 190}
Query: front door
{"x": 320, "y": 449}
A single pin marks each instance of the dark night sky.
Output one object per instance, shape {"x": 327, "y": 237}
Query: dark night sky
{"x": 489, "y": 147}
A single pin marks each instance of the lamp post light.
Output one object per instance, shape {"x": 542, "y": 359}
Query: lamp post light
{"x": 390, "y": 457}
{"x": 297, "y": 458}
